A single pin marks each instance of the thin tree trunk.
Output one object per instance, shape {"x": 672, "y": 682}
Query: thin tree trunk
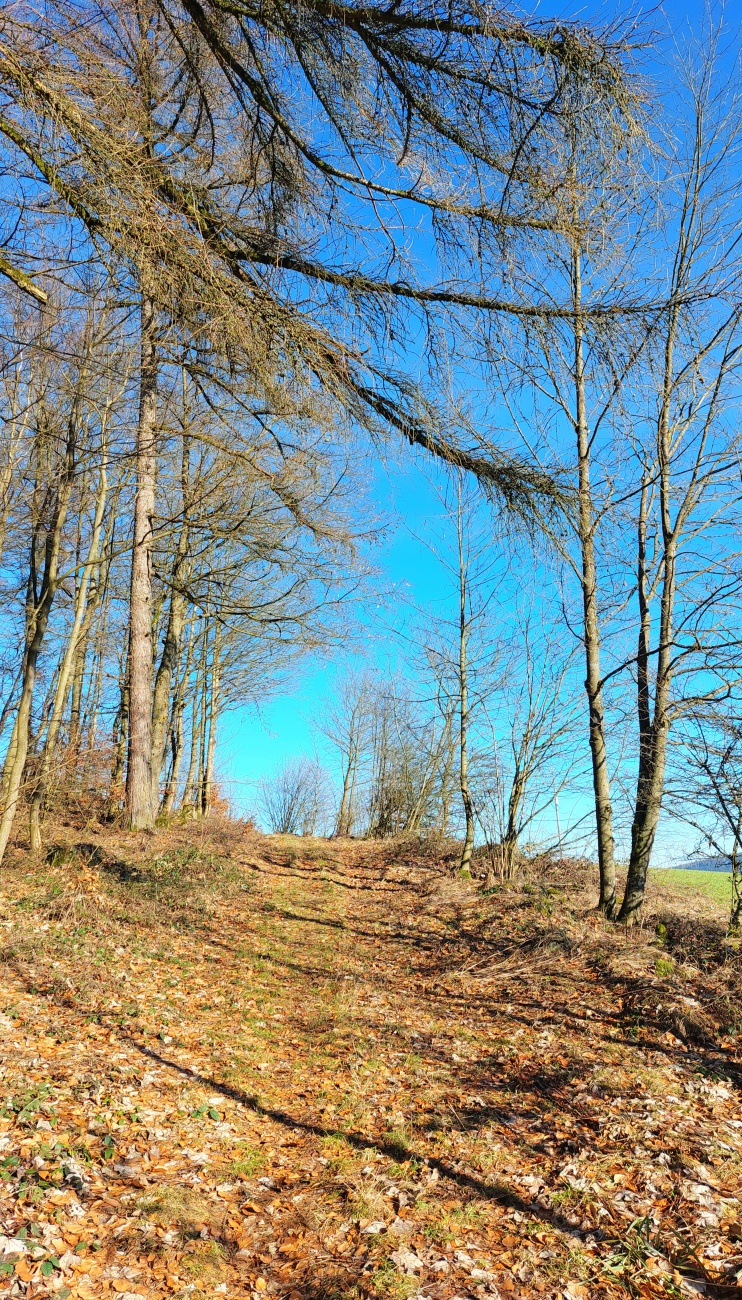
{"x": 345, "y": 812}
{"x": 10, "y": 703}
{"x": 39, "y": 608}
{"x": 653, "y": 734}
{"x": 176, "y": 728}
{"x": 78, "y": 671}
{"x": 198, "y": 803}
{"x": 140, "y": 804}
{"x": 190, "y": 787}
{"x": 78, "y": 678}
{"x": 593, "y": 681}
{"x": 509, "y": 846}
{"x": 468, "y": 802}
{"x": 173, "y": 634}
{"x": 208, "y": 786}
{"x": 735, "y": 912}
{"x": 92, "y": 704}
{"x": 189, "y": 792}
{"x": 343, "y": 820}
{"x": 447, "y": 772}
{"x": 65, "y": 668}
{"x": 15, "y": 428}
{"x": 176, "y": 747}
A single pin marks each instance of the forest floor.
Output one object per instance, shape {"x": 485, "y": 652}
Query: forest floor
{"x": 248, "y": 1066}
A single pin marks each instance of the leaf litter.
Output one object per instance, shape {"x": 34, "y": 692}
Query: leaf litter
{"x": 245, "y": 1066}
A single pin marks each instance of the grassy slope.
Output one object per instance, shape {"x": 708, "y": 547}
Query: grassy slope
{"x": 525, "y": 1101}
{"x": 715, "y": 884}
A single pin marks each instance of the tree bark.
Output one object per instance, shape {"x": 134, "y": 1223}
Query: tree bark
{"x": 653, "y": 731}
{"x": 207, "y": 800}
{"x": 140, "y": 803}
{"x": 190, "y": 788}
{"x": 66, "y": 666}
{"x": 468, "y": 802}
{"x": 38, "y": 606}
{"x": 176, "y": 730}
{"x": 591, "y": 626}
{"x": 735, "y": 911}
{"x": 167, "y": 666}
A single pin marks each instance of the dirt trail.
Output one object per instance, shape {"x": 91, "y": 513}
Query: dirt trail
{"x": 242, "y": 1066}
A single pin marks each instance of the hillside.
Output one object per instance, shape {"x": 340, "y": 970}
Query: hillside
{"x": 242, "y": 1066}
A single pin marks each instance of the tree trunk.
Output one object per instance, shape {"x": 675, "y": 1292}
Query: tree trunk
{"x": 65, "y": 668}
{"x": 190, "y": 787}
{"x": 344, "y": 813}
{"x": 120, "y": 732}
{"x": 198, "y": 802}
{"x": 176, "y": 728}
{"x": 653, "y": 733}
{"x": 39, "y": 604}
{"x": 735, "y": 912}
{"x": 173, "y": 634}
{"x": 208, "y": 784}
{"x": 468, "y": 802}
{"x": 140, "y": 804}
{"x": 591, "y": 626}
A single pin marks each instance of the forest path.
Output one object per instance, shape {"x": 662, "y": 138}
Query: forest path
{"x": 236, "y": 1065}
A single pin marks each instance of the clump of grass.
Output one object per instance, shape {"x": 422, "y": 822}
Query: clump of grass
{"x": 205, "y": 1260}
{"x": 439, "y": 1231}
{"x": 339, "y": 1155}
{"x": 664, "y": 967}
{"x": 398, "y": 1141}
{"x": 470, "y": 1215}
{"x": 180, "y": 1207}
{"x": 368, "y": 1203}
{"x": 388, "y": 1281}
{"x": 249, "y": 1161}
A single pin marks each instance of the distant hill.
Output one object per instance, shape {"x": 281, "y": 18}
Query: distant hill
{"x": 717, "y": 863}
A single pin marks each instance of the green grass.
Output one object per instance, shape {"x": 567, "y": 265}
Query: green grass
{"x": 714, "y": 884}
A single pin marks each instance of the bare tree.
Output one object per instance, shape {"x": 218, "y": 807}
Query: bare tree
{"x": 530, "y": 717}
{"x": 686, "y": 500}
{"x": 293, "y": 798}
{"x": 346, "y": 724}
{"x": 705, "y": 787}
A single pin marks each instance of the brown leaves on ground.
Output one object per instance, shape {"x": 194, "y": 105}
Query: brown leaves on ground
{"x": 247, "y": 1067}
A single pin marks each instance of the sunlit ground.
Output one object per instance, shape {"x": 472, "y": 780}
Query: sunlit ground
{"x": 715, "y": 884}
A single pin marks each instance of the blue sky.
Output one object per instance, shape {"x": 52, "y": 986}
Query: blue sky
{"x": 253, "y": 744}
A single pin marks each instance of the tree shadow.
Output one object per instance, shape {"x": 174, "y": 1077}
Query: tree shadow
{"x": 397, "y": 1151}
